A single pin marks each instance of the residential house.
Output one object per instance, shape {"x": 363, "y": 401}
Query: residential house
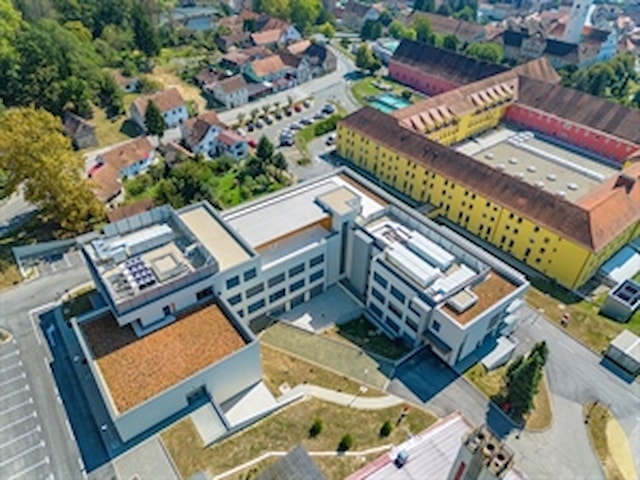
{"x": 201, "y": 133}
{"x": 126, "y": 83}
{"x": 302, "y": 70}
{"x": 466, "y": 32}
{"x": 268, "y": 38}
{"x": 234, "y": 61}
{"x": 231, "y": 92}
{"x": 270, "y": 69}
{"x": 124, "y": 160}
{"x": 354, "y": 14}
{"x": 289, "y": 33}
{"x": 226, "y": 42}
{"x": 169, "y": 102}
{"x": 321, "y": 60}
{"x": 81, "y": 132}
{"x": 298, "y": 48}
{"x": 206, "y": 76}
{"x": 232, "y": 144}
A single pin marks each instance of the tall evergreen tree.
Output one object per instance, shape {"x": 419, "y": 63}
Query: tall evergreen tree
{"x": 144, "y": 34}
{"x": 153, "y": 120}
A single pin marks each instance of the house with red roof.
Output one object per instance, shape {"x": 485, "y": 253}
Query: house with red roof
{"x": 170, "y": 103}
{"x": 232, "y": 144}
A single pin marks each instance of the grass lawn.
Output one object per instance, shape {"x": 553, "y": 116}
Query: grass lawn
{"x": 365, "y": 88}
{"x": 119, "y": 129}
{"x": 279, "y": 367}
{"x": 365, "y": 335}
{"x": 490, "y": 383}
{"x": 285, "y": 429}
{"x": 167, "y": 78}
{"x": 30, "y": 232}
{"x": 599, "y": 428}
{"x": 585, "y": 323}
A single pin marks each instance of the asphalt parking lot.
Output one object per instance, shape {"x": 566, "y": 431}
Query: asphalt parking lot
{"x": 52, "y": 263}
{"x": 24, "y": 453}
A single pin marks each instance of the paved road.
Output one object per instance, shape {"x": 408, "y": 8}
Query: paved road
{"x": 576, "y": 376}
{"x": 14, "y": 210}
{"x": 17, "y": 315}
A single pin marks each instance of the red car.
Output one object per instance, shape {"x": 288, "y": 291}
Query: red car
{"x": 298, "y": 108}
{"x": 253, "y": 143}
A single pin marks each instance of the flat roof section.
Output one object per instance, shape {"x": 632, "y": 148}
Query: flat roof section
{"x": 136, "y": 369}
{"x": 214, "y": 237}
{"x": 539, "y": 162}
{"x": 493, "y": 289}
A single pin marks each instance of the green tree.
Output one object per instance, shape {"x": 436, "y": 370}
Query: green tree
{"x": 153, "y": 120}
{"x": 35, "y": 154}
{"x": 81, "y": 32}
{"x": 466, "y": 14}
{"x": 386, "y": 429}
{"x": 249, "y": 25}
{"x": 371, "y": 30}
{"x": 110, "y": 95}
{"x": 492, "y": 52}
{"x": 424, "y": 33}
{"x": 10, "y": 27}
{"x": 327, "y": 30}
{"x": 424, "y": 5}
{"x": 276, "y": 8}
{"x": 316, "y": 428}
{"x": 450, "y": 42}
{"x": 346, "y": 442}
{"x": 265, "y": 149}
{"x": 444, "y": 9}
{"x": 398, "y": 30}
{"x": 279, "y": 162}
{"x": 522, "y": 379}
{"x": 144, "y": 33}
{"x": 385, "y": 18}
{"x": 364, "y": 57}
{"x": 304, "y": 13}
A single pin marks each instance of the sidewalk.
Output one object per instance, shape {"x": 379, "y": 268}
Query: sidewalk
{"x": 346, "y": 399}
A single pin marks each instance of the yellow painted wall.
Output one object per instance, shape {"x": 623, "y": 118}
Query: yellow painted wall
{"x": 559, "y": 258}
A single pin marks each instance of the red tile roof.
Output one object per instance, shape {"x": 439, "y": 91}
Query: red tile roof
{"x": 267, "y": 66}
{"x": 129, "y": 210}
{"x": 229, "y": 137}
{"x": 266, "y": 37}
{"x": 128, "y": 153}
{"x": 106, "y": 182}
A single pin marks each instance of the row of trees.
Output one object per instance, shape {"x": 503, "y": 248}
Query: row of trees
{"x": 304, "y": 14}
{"x": 461, "y": 9}
{"x": 611, "y": 79}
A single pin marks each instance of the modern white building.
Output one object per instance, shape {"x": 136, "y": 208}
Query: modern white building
{"x": 157, "y": 271}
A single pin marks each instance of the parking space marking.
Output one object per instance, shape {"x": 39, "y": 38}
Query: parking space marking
{"x": 16, "y": 407}
{"x": 44, "y": 461}
{"x": 18, "y": 422}
{"x": 22, "y": 376}
{"x": 11, "y": 367}
{"x": 37, "y": 429}
{"x": 23, "y": 453}
{"x": 9, "y": 355}
{"x": 15, "y": 392}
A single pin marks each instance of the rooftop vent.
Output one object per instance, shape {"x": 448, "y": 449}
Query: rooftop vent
{"x": 520, "y": 175}
{"x": 513, "y": 160}
{"x": 572, "y": 186}
{"x": 501, "y": 167}
{"x": 561, "y": 193}
{"x": 488, "y": 156}
{"x": 531, "y": 168}
{"x": 551, "y": 177}
{"x": 539, "y": 184}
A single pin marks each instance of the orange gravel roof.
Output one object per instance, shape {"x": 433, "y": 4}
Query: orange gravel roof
{"x": 135, "y": 369}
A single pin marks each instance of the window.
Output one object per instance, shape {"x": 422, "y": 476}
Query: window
{"x": 435, "y": 326}
{"x": 297, "y": 301}
{"x": 255, "y": 290}
{"x": 235, "y": 299}
{"x": 273, "y": 281}
{"x": 412, "y": 325}
{"x": 380, "y": 280}
{"x": 207, "y": 292}
{"x": 392, "y": 325}
{"x": 316, "y": 260}
{"x": 275, "y": 296}
{"x": 395, "y": 310}
{"x": 316, "y": 276}
{"x": 249, "y": 274}
{"x": 256, "y": 306}
{"x": 167, "y": 309}
{"x": 398, "y": 294}
{"x": 376, "y": 311}
{"x": 414, "y": 309}
{"x": 296, "y": 285}
{"x": 377, "y": 295}
{"x": 233, "y": 282}
{"x": 297, "y": 270}
{"x": 317, "y": 290}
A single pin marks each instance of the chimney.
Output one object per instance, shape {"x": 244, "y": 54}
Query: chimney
{"x": 625, "y": 180}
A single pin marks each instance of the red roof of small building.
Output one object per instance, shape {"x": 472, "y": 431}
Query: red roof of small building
{"x": 229, "y": 137}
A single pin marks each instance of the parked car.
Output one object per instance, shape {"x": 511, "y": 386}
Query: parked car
{"x": 298, "y": 108}
{"x": 288, "y": 112}
{"x": 252, "y": 143}
{"x": 306, "y": 121}
{"x": 278, "y": 115}
{"x": 241, "y": 132}
{"x": 307, "y": 103}
{"x": 331, "y": 139}
{"x": 329, "y": 109}
{"x": 295, "y": 126}
{"x": 259, "y": 123}
{"x": 250, "y": 127}
{"x": 319, "y": 115}
{"x": 268, "y": 120}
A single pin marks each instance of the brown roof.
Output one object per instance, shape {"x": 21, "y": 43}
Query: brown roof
{"x": 274, "y": 24}
{"x": 489, "y": 292}
{"x": 229, "y": 137}
{"x": 572, "y": 221}
{"x": 165, "y": 100}
{"x": 237, "y": 58}
{"x": 123, "y": 80}
{"x": 266, "y": 37}
{"x": 73, "y": 123}
{"x": 232, "y": 84}
{"x": 106, "y": 182}
{"x": 582, "y": 108}
{"x": 268, "y": 65}
{"x": 299, "y": 47}
{"x": 290, "y": 59}
{"x": 465, "y": 31}
{"x": 539, "y": 69}
{"x": 257, "y": 51}
{"x": 128, "y": 153}
{"x": 201, "y": 125}
{"x": 129, "y": 210}
{"x": 136, "y": 369}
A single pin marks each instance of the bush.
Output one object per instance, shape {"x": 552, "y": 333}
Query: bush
{"x": 327, "y": 125}
{"x": 346, "y": 442}
{"x": 406, "y": 94}
{"x": 316, "y": 428}
{"x": 386, "y": 429}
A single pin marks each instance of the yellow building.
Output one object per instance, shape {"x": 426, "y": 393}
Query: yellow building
{"x": 558, "y": 211}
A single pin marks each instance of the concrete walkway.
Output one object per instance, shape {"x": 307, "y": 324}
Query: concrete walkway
{"x": 346, "y": 399}
{"x": 331, "y": 453}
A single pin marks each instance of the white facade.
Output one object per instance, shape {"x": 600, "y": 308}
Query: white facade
{"x": 577, "y": 20}
{"x": 290, "y": 35}
{"x": 232, "y": 99}
{"x": 208, "y": 144}
{"x": 173, "y": 118}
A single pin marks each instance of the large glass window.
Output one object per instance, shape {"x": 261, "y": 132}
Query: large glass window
{"x": 316, "y": 260}
{"x": 376, "y": 294}
{"x": 316, "y": 276}
{"x": 233, "y": 282}
{"x": 296, "y": 285}
{"x": 275, "y": 296}
{"x": 249, "y": 274}
{"x": 398, "y": 294}
{"x": 256, "y": 289}
{"x": 235, "y": 299}
{"x": 273, "y": 281}
{"x": 256, "y": 306}
{"x": 380, "y": 280}
{"x": 297, "y": 270}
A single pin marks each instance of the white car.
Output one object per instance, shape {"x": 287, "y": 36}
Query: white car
{"x": 331, "y": 139}
{"x": 241, "y": 132}
{"x": 295, "y": 126}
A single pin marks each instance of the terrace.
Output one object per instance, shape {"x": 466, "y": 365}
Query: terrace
{"x": 135, "y": 369}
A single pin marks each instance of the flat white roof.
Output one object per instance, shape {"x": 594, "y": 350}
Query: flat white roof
{"x": 272, "y": 218}
{"x": 623, "y": 265}
{"x": 214, "y": 237}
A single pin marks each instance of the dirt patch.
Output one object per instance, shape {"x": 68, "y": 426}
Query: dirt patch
{"x": 188, "y": 92}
